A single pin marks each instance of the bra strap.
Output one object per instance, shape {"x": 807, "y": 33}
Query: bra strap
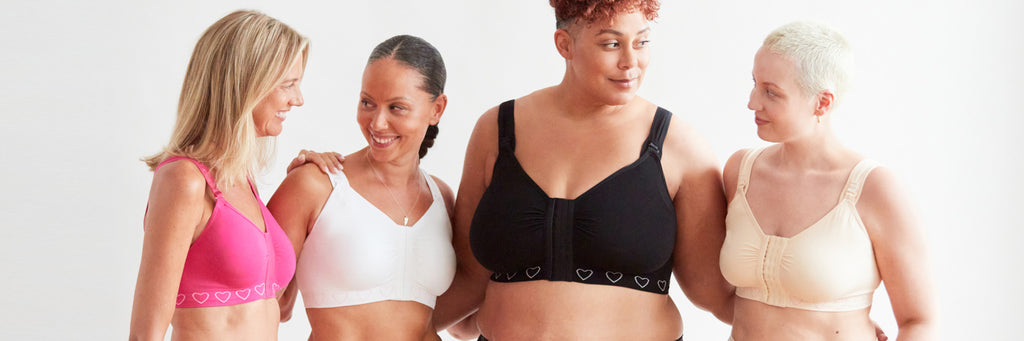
{"x": 855, "y": 183}
{"x": 202, "y": 168}
{"x": 659, "y": 128}
{"x": 507, "y": 125}
{"x": 745, "y": 165}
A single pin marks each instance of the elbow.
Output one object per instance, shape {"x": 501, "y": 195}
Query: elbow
{"x": 719, "y": 303}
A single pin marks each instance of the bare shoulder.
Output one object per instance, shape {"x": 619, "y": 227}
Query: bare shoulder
{"x": 485, "y": 134}
{"x": 682, "y": 140}
{"x": 883, "y": 205}
{"x": 881, "y": 189}
{"x": 446, "y": 192}
{"x": 306, "y": 179}
{"x": 731, "y": 172}
{"x": 180, "y": 179}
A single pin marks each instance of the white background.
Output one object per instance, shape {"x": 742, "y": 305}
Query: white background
{"x": 89, "y": 87}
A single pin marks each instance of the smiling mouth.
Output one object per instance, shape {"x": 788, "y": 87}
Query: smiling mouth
{"x": 282, "y": 115}
{"x": 382, "y": 140}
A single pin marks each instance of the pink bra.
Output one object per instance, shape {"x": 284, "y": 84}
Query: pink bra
{"x": 232, "y": 261}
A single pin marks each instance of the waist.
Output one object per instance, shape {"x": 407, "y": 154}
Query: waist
{"x": 257, "y": 320}
{"x": 754, "y": 320}
{"x": 386, "y": 320}
{"x": 544, "y": 310}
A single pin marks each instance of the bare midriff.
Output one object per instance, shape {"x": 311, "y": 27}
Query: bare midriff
{"x": 754, "y": 320}
{"x": 256, "y": 320}
{"x": 385, "y": 320}
{"x": 546, "y": 310}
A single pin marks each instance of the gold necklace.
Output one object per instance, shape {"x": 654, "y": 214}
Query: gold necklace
{"x": 405, "y": 221}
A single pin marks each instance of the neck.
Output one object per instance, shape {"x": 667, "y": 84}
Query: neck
{"x": 399, "y": 172}
{"x": 575, "y": 103}
{"x": 821, "y": 150}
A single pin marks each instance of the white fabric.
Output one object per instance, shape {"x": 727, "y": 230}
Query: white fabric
{"x": 355, "y": 254}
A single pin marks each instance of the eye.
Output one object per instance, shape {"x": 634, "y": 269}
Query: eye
{"x": 365, "y": 104}
{"x": 397, "y": 108}
{"x": 643, "y": 43}
{"x": 611, "y": 45}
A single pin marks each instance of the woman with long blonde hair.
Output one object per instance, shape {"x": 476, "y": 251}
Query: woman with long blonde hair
{"x": 213, "y": 258}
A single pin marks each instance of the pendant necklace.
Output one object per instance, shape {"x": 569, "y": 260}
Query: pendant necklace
{"x": 405, "y": 221}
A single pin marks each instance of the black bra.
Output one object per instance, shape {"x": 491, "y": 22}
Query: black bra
{"x": 620, "y": 232}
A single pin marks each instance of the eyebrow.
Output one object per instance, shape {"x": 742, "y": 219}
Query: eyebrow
{"x": 608, "y": 30}
{"x": 405, "y": 98}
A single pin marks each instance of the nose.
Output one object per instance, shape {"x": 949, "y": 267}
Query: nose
{"x": 379, "y": 121}
{"x": 627, "y": 59}
{"x": 752, "y": 103}
{"x": 297, "y": 100}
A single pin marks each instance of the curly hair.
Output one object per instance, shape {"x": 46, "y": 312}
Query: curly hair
{"x": 568, "y": 12}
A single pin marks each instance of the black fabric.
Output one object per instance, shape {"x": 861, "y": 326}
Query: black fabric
{"x": 620, "y": 232}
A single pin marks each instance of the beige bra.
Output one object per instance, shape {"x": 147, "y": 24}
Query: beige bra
{"x": 829, "y": 266}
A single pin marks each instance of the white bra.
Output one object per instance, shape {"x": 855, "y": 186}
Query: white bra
{"x": 355, "y": 254}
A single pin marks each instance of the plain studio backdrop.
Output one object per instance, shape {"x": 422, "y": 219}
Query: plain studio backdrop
{"x": 89, "y": 87}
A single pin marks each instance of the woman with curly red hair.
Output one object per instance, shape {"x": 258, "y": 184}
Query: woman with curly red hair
{"x": 580, "y": 200}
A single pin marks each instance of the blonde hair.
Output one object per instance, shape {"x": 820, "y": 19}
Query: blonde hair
{"x": 237, "y": 61}
{"x": 823, "y": 57}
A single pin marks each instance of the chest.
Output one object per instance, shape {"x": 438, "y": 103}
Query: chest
{"x": 242, "y": 200}
{"x": 785, "y": 204}
{"x": 566, "y": 160}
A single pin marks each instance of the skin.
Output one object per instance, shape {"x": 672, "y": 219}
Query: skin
{"x": 568, "y": 138}
{"x": 393, "y": 115}
{"x": 180, "y": 204}
{"x": 796, "y": 182}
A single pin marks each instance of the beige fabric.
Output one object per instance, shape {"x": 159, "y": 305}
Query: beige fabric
{"x": 830, "y": 266}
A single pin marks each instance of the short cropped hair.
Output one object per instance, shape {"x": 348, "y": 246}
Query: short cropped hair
{"x": 823, "y": 57}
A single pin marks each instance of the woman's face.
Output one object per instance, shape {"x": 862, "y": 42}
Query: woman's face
{"x": 394, "y": 112}
{"x": 609, "y": 59}
{"x": 269, "y": 114}
{"x": 781, "y": 111}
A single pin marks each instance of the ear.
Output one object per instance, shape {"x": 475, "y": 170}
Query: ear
{"x": 825, "y": 100}
{"x": 563, "y": 42}
{"x": 440, "y": 103}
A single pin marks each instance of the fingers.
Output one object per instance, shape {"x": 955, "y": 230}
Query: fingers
{"x": 297, "y": 161}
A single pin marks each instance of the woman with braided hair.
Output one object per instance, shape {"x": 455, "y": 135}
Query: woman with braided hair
{"x": 373, "y": 242}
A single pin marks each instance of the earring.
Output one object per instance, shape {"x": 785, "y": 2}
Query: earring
{"x": 819, "y": 118}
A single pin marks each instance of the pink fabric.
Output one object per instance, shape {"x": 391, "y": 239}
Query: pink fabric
{"x": 232, "y": 261}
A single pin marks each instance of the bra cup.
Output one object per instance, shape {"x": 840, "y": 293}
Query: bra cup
{"x": 356, "y": 259}
{"x": 434, "y": 267}
{"x": 740, "y": 253}
{"x": 228, "y": 267}
{"x": 838, "y": 261}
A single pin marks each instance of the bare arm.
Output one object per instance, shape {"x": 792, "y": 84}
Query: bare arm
{"x": 296, "y": 205}
{"x": 177, "y": 201}
{"x": 700, "y": 216}
{"x": 901, "y": 255}
{"x": 467, "y": 290}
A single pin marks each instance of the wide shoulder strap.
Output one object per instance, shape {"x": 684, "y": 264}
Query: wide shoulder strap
{"x": 855, "y": 183}
{"x": 202, "y": 169}
{"x": 435, "y": 191}
{"x": 659, "y": 129}
{"x": 507, "y": 125}
{"x": 745, "y": 166}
